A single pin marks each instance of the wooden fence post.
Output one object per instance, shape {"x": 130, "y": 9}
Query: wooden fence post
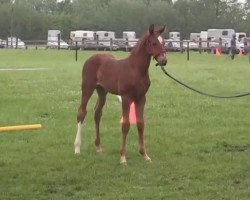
{"x": 16, "y": 43}
{"x": 58, "y": 40}
{"x": 111, "y": 44}
{"x": 200, "y": 46}
{"x": 76, "y": 51}
{"x": 126, "y": 44}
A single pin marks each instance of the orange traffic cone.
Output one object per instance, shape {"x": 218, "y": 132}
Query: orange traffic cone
{"x": 217, "y": 52}
{"x": 241, "y": 54}
{"x": 132, "y": 116}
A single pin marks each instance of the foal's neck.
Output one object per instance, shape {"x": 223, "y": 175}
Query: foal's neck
{"x": 140, "y": 60}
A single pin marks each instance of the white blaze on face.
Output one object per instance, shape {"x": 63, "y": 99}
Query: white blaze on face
{"x": 160, "y": 39}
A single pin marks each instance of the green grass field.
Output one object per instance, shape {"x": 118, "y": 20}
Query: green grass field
{"x": 200, "y": 146}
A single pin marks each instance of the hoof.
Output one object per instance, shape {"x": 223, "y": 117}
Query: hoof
{"x": 147, "y": 159}
{"x": 99, "y": 149}
{"x": 123, "y": 160}
{"x": 77, "y": 150}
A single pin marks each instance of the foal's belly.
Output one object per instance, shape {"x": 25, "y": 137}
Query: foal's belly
{"x": 134, "y": 86}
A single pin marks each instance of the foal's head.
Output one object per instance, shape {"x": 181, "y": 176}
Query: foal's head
{"x": 155, "y": 45}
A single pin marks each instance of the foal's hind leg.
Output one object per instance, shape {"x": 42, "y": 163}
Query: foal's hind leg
{"x": 125, "y": 129}
{"x": 139, "y": 109}
{"x": 98, "y": 114}
{"x": 82, "y": 111}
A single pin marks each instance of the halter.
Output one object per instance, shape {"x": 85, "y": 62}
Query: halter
{"x": 153, "y": 51}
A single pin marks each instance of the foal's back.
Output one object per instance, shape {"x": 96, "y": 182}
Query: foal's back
{"x": 106, "y": 71}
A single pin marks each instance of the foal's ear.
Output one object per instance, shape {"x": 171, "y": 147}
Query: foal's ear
{"x": 162, "y": 29}
{"x": 151, "y": 29}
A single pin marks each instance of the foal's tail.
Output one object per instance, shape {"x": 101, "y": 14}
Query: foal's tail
{"x": 90, "y": 69}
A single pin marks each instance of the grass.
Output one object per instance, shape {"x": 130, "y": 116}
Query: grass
{"x": 200, "y": 146}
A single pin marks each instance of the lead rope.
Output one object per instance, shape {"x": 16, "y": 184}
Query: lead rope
{"x": 203, "y": 93}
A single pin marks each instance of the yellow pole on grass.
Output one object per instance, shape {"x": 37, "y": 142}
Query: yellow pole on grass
{"x": 20, "y": 127}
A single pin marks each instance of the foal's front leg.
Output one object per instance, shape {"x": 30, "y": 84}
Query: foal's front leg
{"x": 139, "y": 109}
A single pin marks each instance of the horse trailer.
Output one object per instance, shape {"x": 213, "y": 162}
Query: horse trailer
{"x": 105, "y": 39}
{"x": 54, "y": 37}
{"x": 214, "y": 34}
{"x": 130, "y": 37}
{"x": 194, "y": 37}
{"x": 80, "y": 35}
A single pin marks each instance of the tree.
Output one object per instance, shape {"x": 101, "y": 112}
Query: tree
{"x": 31, "y": 19}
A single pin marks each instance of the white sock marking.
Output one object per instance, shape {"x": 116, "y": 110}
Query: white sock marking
{"x": 78, "y": 138}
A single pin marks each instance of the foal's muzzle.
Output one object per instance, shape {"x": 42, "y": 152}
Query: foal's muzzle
{"x": 161, "y": 60}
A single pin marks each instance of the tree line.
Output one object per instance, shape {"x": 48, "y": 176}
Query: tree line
{"x": 31, "y": 19}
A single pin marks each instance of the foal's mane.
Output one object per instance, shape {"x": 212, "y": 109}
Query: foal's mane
{"x": 140, "y": 43}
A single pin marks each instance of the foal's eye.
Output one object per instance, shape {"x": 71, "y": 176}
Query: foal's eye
{"x": 154, "y": 43}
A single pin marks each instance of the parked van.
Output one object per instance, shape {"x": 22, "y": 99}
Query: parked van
{"x": 52, "y": 40}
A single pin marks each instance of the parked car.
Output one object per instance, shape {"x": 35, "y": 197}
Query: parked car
{"x": 2, "y": 43}
{"x": 172, "y": 45}
{"x": 226, "y": 44}
{"x": 54, "y": 44}
{"x": 192, "y": 45}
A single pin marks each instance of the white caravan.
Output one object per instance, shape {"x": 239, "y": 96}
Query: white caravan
{"x": 215, "y": 34}
{"x": 226, "y": 35}
{"x": 173, "y": 43}
{"x": 241, "y": 36}
{"x": 80, "y": 35}
{"x": 203, "y": 37}
{"x": 204, "y": 40}
{"x": 175, "y": 35}
{"x": 194, "y": 37}
{"x": 104, "y": 38}
{"x": 131, "y": 37}
{"x": 52, "y": 40}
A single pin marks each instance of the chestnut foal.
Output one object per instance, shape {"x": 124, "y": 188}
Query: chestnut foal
{"x": 128, "y": 78}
